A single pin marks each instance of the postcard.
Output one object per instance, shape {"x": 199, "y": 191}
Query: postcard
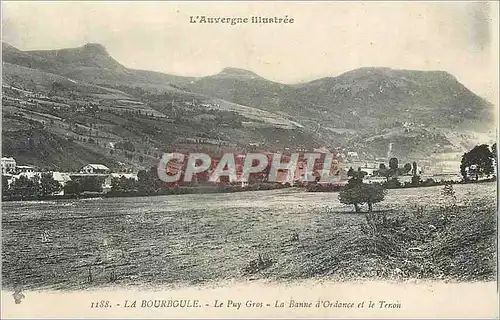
{"x": 259, "y": 159}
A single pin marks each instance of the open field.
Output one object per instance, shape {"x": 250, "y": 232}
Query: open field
{"x": 202, "y": 238}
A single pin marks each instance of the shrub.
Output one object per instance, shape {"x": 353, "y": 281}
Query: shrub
{"x": 358, "y": 193}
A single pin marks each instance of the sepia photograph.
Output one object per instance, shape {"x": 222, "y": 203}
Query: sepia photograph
{"x": 268, "y": 159}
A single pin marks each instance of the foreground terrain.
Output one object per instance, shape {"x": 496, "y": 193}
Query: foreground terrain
{"x": 279, "y": 235}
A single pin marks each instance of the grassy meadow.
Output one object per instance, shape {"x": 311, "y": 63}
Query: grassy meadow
{"x": 278, "y": 235}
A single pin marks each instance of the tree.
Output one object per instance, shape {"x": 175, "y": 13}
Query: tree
{"x": 407, "y": 168}
{"x": 414, "y": 168}
{"x": 373, "y": 193}
{"x": 477, "y": 162}
{"x": 92, "y": 184}
{"x": 20, "y": 185}
{"x": 148, "y": 180}
{"x": 123, "y": 184}
{"x": 5, "y": 185}
{"x": 143, "y": 181}
{"x": 350, "y": 172}
{"x": 415, "y": 180}
{"x": 351, "y": 193}
{"x": 34, "y": 188}
{"x": 73, "y": 187}
{"x": 394, "y": 164}
{"x": 382, "y": 166}
{"x": 24, "y": 186}
{"x": 360, "y": 174}
{"x": 357, "y": 193}
{"x": 386, "y": 173}
{"x": 48, "y": 185}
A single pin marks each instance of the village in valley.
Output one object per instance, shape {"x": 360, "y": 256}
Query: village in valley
{"x": 96, "y": 179}
{"x": 11, "y": 172}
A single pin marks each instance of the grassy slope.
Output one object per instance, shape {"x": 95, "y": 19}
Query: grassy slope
{"x": 46, "y": 150}
{"x": 145, "y": 134}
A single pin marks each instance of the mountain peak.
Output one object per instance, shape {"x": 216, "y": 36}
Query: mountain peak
{"x": 95, "y": 47}
{"x": 363, "y": 71}
{"x": 88, "y": 55}
{"x": 237, "y": 72}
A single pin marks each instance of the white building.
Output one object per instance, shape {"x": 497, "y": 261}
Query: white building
{"x": 323, "y": 149}
{"x": 25, "y": 169}
{"x": 8, "y": 165}
{"x": 353, "y": 155}
{"x": 374, "y": 180}
{"x": 92, "y": 168}
{"x": 62, "y": 178}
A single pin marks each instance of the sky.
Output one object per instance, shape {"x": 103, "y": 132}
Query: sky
{"x": 326, "y": 38}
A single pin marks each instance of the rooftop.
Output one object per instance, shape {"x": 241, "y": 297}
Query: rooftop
{"x": 97, "y": 166}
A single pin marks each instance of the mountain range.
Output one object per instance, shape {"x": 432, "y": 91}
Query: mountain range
{"x": 63, "y": 108}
